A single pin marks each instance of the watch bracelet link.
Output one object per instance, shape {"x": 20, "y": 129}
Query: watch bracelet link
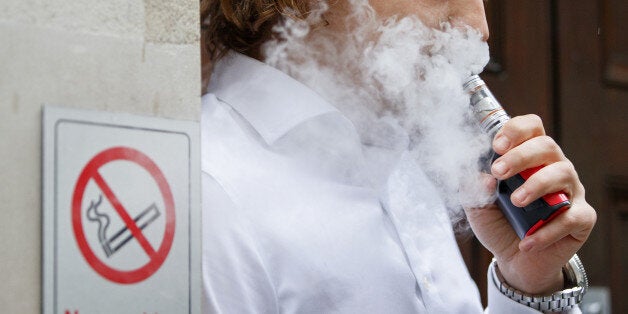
{"x": 556, "y": 302}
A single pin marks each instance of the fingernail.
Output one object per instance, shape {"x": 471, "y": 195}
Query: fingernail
{"x": 499, "y": 168}
{"x": 520, "y": 195}
{"x": 501, "y": 143}
{"x": 490, "y": 183}
{"x": 526, "y": 245}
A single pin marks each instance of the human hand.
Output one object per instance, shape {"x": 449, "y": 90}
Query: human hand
{"x": 533, "y": 265}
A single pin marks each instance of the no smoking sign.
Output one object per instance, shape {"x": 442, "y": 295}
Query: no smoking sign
{"x": 111, "y": 239}
{"x": 121, "y": 214}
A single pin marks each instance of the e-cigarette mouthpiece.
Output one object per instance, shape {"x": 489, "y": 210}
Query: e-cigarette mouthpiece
{"x": 485, "y": 106}
{"x": 492, "y": 117}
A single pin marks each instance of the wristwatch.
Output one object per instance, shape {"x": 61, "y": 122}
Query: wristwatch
{"x": 575, "y": 277}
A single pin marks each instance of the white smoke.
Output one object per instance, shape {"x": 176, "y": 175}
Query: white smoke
{"x": 400, "y": 83}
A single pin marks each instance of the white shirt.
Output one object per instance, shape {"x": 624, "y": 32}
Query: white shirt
{"x": 285, "y": 231}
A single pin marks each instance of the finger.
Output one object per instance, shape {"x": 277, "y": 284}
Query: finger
{"x": 488, "y": 182}
{"x": 516, "y": 131}
{"x": 557, "y": 177}
{"x": 576, "y": 224}
{"x": 537, "y": 151}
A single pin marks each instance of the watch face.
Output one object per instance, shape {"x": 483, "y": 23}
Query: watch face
{"x": 576, "y": 271}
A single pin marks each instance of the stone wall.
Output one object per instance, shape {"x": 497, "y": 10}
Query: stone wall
{"x": 133, "y": 56}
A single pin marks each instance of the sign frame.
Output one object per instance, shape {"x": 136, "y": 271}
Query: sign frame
{"x": 52, "y": 118}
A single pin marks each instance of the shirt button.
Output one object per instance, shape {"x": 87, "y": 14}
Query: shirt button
{"x": 426, "y": 282}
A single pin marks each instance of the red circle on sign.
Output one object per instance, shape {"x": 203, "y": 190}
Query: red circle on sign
{"x": 90, "y": 172}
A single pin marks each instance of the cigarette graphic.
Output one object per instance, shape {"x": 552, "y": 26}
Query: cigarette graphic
{"x": 123, "y": 236}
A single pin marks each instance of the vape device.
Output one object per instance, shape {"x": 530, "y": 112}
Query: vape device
{"x": 524, "y": 220}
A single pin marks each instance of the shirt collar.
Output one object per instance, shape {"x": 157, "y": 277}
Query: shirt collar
{"x": 270, "y": 100}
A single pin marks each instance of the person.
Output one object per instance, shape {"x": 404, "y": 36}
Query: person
{"x": 285, "y": 230}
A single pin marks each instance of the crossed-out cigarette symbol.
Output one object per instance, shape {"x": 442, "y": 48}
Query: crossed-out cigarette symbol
{"x": 120, "y": 238}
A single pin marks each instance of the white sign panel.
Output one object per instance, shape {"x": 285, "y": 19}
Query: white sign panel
{"x": 121, "y": 213}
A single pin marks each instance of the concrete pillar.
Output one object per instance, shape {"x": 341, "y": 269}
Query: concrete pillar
{"x": 134, "y": 56}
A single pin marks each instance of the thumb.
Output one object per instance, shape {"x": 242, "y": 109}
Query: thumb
{"x": 478, "y": 193}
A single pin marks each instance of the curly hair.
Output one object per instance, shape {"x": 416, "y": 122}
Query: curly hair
{"x": 244, "y": 25}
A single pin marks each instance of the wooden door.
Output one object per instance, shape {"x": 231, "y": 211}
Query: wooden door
{"x": 593, "y": 99}
{"x": 567, "y": 61}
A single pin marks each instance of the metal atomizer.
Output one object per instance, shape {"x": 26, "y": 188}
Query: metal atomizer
{"x": 491, "y": 116}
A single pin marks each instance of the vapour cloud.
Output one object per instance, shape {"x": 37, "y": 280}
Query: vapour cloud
{"x": 400, "y": 83}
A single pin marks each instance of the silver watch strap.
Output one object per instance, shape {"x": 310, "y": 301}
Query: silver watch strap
{"x": 556, "y": 302}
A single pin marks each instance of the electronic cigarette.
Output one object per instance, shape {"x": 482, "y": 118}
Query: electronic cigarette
{"x": 525, "y": 220}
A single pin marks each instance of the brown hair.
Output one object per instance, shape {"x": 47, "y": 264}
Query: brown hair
{"x": 243, "y": 25}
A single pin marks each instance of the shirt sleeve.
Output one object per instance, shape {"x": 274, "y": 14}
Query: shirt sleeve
{"x": 499, "y": 303}
{"x": 234, "y": 277}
